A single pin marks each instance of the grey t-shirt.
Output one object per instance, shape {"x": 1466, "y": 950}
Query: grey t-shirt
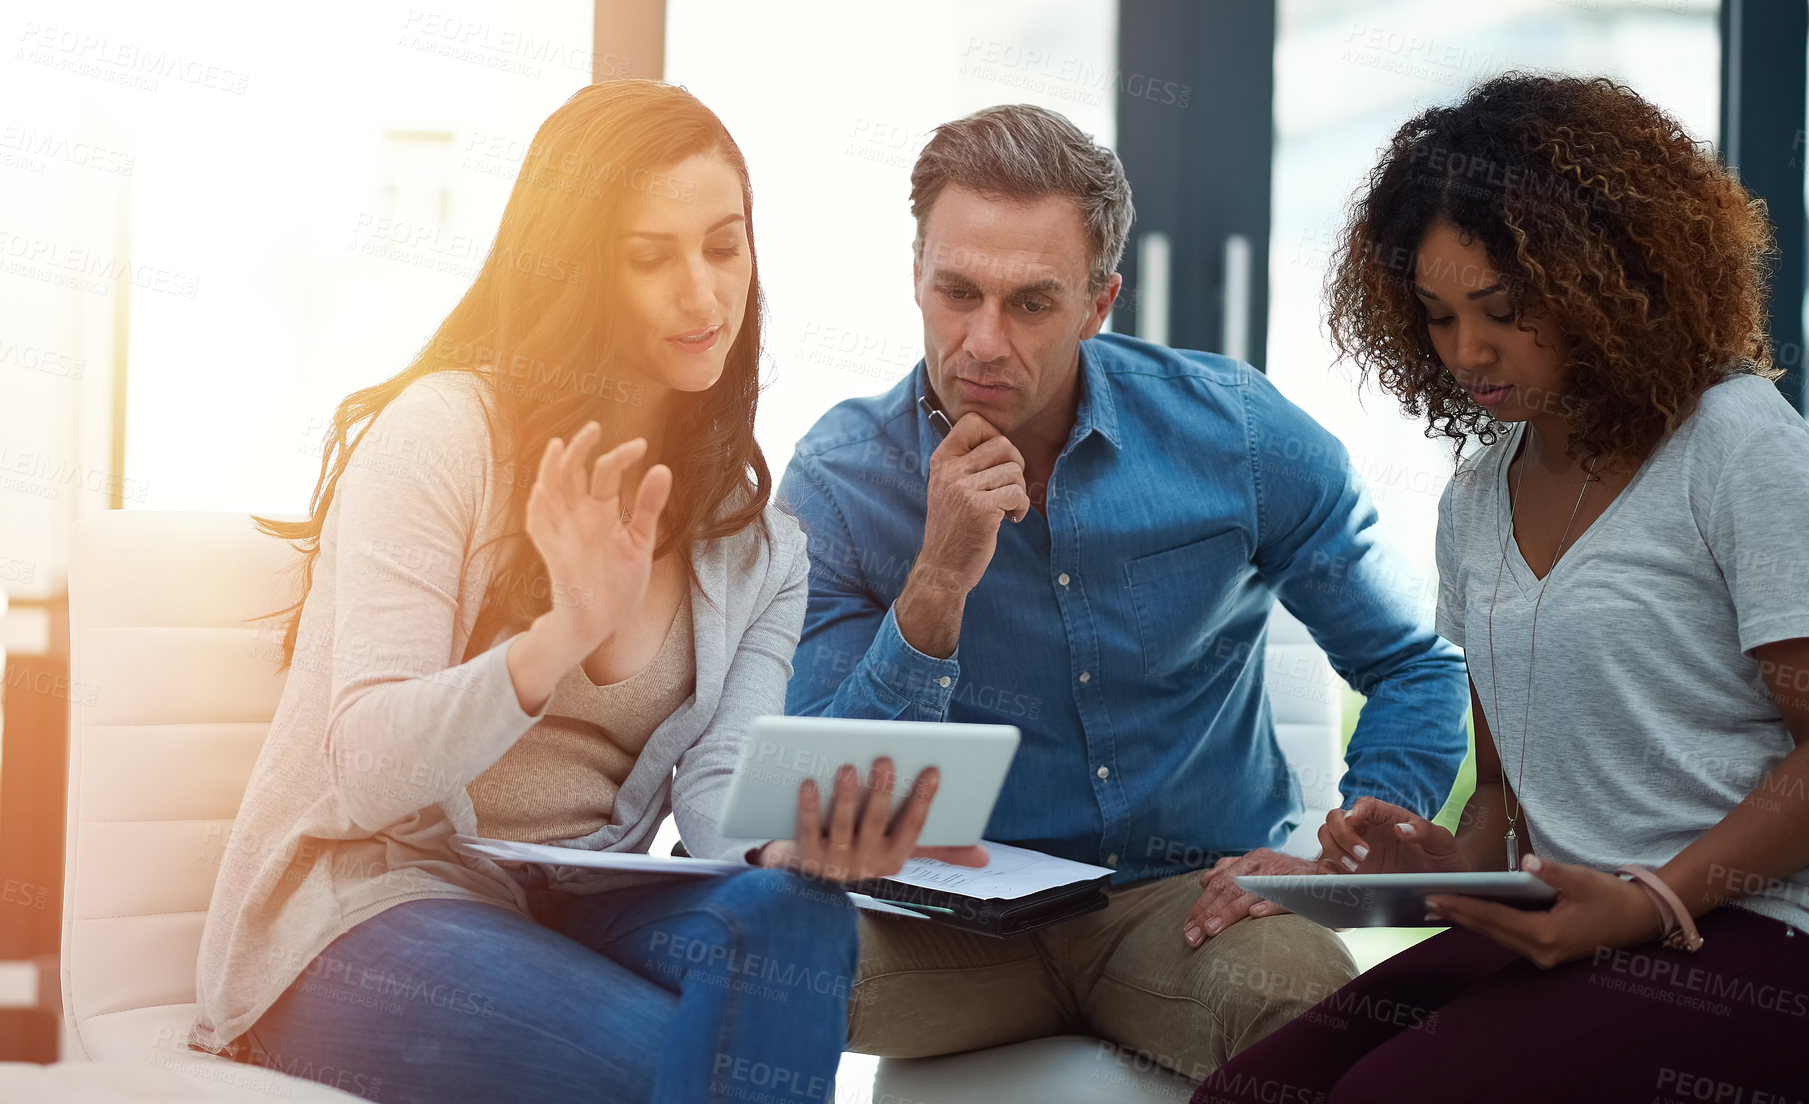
{"x": 1649, "y": 720}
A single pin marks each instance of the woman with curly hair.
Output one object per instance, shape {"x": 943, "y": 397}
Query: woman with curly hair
{"x": 1554, "y": 270}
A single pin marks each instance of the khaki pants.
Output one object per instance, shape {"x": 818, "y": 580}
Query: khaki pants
{"x": 1124, "y": 973}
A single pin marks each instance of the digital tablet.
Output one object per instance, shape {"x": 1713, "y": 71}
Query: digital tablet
{"x": 1389, "y": 900}
{"x": 781, "y": 752}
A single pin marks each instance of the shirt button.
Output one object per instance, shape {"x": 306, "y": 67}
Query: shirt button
{"x": 943, "y": 681}
{"x": 1112, "y": 859}
{"x": 1062, "y": 578}
{"x": 1086, "y": 676}
{"x": 1104, "y": 772}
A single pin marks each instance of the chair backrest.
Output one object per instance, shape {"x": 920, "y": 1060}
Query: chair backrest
{"x": 172, "y": 692}
{"x": 1306, "y": 698}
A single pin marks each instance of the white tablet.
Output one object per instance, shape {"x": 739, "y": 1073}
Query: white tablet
{"x": 1389, "y": 900}
{"x": 781, "y": 752}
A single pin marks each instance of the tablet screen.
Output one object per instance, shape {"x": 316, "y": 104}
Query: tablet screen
{"x": 779, "y": 753}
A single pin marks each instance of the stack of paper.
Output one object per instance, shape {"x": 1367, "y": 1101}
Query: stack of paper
{"x": 1010, "y": 872}
{"x": 630, "y": 862}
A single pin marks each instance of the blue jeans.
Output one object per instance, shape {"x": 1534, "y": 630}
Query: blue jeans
{"x": 718, "y": 989}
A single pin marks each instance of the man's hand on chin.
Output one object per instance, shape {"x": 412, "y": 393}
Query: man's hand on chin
{"x": 1223, "y": 904}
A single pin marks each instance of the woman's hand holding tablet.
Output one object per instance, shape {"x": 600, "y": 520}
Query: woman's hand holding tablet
{"x": 1549, "y": 912}
{"x": 859, "y": 830}
{"x": 864, "y": 837}
{"x": 1593, "y": 910}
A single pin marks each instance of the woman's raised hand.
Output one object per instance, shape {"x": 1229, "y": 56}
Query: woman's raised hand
{"x": 867, "y": 836}
{"x": 599, "y": 555}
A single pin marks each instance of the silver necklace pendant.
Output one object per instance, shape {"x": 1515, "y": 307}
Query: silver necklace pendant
{"x": 1512, "y": 840}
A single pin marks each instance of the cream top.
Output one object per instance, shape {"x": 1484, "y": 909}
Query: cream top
{"x": 560, "y": 780}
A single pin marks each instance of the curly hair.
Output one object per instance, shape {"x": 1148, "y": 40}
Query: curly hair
{"x": 1603, "y": 217}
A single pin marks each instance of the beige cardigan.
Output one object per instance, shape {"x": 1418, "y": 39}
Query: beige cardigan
{"x": 362, "y": 779}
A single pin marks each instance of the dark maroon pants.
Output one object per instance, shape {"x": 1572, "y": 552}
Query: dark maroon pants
{"x": 1459, "y": 1019}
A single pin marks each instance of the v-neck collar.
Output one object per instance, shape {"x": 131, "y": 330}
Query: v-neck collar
{"x": 661, "y": 658}
{"x": 1522, "y": 571}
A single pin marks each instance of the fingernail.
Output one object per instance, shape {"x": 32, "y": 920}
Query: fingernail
{"x": 1360, "y": 851}
{"x": 1406, "y": 829}
{"x": 1530, "y": 864}
{"x": 1213, "y": 925}
{"x": 1434, "y": 914}
{"x": 1193, "y": 934}
{"x": 1349, "y": 863}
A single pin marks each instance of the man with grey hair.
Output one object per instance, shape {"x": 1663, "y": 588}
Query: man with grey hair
{"x": 1159, "y": 502}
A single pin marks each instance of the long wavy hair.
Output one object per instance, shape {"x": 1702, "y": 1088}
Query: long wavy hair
{"x": 1602, "y": 215}
{"x": 535, "y": 327}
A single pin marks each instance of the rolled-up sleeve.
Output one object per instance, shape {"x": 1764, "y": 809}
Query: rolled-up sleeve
{"x": 1318, "y": 549}
{"x": 852, "y": 660}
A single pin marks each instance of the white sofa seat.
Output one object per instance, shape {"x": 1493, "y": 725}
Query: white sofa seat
{"x": 212, "y": 1082}
{"x": 1073, "y": 1069}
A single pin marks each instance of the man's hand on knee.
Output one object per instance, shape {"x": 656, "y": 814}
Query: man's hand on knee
{"x": 1223, "y": 904}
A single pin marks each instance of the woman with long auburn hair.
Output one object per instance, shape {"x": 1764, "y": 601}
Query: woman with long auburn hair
{"x": 1553, "y": 273}
{"x": 543, "y": 591}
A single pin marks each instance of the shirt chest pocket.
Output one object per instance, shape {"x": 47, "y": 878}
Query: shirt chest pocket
{"x": 1181, "y": 597}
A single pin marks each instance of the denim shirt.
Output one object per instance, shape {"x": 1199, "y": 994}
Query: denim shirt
{"x": 1123, "y": 631}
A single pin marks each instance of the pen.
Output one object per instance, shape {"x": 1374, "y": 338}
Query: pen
{"x": 940, "y": 423}
{"x": 914, "y": 905}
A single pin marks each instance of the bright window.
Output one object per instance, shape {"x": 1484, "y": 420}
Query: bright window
{"x": 326, "y": 218}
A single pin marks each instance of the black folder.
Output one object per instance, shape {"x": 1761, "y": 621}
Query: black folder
{"x": 998, "y": 917}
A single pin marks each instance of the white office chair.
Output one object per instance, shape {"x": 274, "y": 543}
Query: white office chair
{"x": 183, "y": 693}
{"x": 179, "y": 691}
